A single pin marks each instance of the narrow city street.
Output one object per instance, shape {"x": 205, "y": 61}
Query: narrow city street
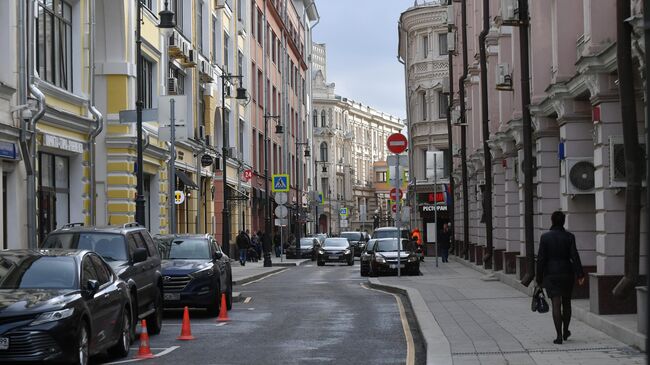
{"x": 302, "y": 315}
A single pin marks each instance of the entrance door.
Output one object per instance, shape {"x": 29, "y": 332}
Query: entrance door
{"x": 53, "y": 193}
{"x": 322, "y": 222}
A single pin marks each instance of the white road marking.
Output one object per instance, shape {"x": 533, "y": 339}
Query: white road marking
{"x": 410, "y": 345}
{"x": 165, "y": 351}
{"x": 247, "y": 300}
{"x": 195, "y": 324}
{"x": 264, "y": 277}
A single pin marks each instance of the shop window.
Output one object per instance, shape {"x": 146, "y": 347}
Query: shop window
{"x": 54, "y": 193}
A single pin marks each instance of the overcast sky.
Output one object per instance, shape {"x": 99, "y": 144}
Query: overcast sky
{"x": 361, "y": 38}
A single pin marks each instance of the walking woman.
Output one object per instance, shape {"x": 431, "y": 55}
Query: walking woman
{"x": 558, "y": 264}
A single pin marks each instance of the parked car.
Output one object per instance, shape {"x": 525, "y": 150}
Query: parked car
{"x": 132, "y": 254}
{"x": 366, "y": 256}
{"x": 384, "y": 258}
{"x": 356, "y": 239}
{"x": 195, "y": 272}
{"x": 306, "y": 249}
{"x": 321, "y": 237}
{"x": 390, "y": 232}
{"x": 335, "y": 249}
{"x": 61, "y": 306}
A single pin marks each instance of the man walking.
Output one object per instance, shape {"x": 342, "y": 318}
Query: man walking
{"x": 243, "y": 243}
{"x": 443, "y": 242}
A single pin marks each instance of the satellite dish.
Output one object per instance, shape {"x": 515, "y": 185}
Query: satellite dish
{"x": 581, "y": 175}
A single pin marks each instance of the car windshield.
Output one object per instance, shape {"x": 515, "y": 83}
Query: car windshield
{"x": 370, "y": 244}
{"x": 109, "y": 246}
{"x": 185, "y": 248}
{"x": 38, "y": 272}
{"x": 352, "y": 236}
{"x": 336, "y": 243}
{"x": 306, "y": 242}
{"x": 387, "y": 245}
{"x": 389, "y": 233}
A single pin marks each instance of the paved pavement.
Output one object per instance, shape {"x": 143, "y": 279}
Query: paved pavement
{"x": 488, "y": 322}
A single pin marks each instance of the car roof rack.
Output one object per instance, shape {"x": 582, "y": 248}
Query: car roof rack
{"x": 131, "y": 224}
{"x": 72, "y": 225}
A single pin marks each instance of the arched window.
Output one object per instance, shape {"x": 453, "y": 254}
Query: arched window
{"x": 315, "y": 117}
{"x": 323, "y": 151}
{"x": 323, "y": 122}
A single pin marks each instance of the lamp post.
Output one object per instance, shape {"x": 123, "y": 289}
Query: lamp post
{"x": 298, "y": 187}
{"x": 268, "y": 214}
{"x": 317, "y": 218}
{"x": 241, "y": 95}
{"x": 167, "y": 21}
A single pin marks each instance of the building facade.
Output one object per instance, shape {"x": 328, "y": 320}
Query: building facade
{"x": 349, "y": 137}
{"x": 423, "y": 51}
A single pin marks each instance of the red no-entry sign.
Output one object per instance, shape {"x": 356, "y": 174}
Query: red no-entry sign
{"x": 395, "y": 194}
{"x": 397, "y": 143}
{"x": 394, "y": 208}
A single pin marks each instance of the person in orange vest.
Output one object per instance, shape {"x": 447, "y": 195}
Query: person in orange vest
{"x": 416, "y": 236}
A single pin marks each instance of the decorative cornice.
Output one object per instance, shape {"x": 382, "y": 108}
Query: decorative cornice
{"x": 69, "y": 121}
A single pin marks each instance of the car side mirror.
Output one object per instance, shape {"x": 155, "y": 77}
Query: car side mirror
{"x": 217, "y": 255}
{"x": 92, "y": 286}
{"x": 139, "y": 255}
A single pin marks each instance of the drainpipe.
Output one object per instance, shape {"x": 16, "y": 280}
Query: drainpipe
{"x": 487, "y": 192}
{"x": 413, "y": 182}
{"x": 528, "y": 143}
{"x": 463, "y": 131}
{"x": 450, "y": 141}
{"x": 633, "y": 152}
{"x": 646, "y": 27}
{"x": 31, "y": 155}
{"x": 97, "y": 116}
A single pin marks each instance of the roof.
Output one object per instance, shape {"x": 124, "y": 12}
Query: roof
{"x": 182, "y": 235}
{"x": 57, "y": 252}
{"x": 78, "y": 227}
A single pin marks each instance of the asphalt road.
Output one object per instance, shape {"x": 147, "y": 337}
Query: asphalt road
{"x": 303, "y": 315}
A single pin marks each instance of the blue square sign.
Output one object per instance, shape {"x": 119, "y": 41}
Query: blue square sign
{"x": 280, "y": 183}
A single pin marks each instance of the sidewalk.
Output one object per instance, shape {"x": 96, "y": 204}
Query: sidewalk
{"x": 467, "y": 320}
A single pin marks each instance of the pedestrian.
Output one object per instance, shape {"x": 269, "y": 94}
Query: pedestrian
{"x": 243, "y": 243}
{"x": 558, "y": 264}
{"x": 277, "y": 244}
{"x": 444, "y": 238}
{"x": 256, "y": 241}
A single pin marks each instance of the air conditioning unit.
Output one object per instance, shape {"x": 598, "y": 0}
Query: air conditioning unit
{"x": 172, "y": 86}
{"x": 445, "y": 85}
{"x": 232, "y": 152}
{"x": 617, "y": 175}
{"x": 451, "y": 41}
{"x": 579, "y": 175}
{"x": 220, "y": 4}
{"x": 450, "y": 15}
{"x": 503, "y": 77}
{"x": 174, "y": 46}
{"x": 205, "y": 71}
{"x": 509, "y": 12}
{"x": 190, "y": 59}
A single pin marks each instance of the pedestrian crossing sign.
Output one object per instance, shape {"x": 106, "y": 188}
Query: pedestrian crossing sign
{"x": 280, "y": 183}
{"x": 320, "y": 198}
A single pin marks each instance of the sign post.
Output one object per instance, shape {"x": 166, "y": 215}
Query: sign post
{"x": 397, "y": 144}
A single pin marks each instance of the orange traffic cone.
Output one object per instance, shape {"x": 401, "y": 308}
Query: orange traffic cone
{"x": 144, "y": 352}
{"x": 223, "y": 311}
{"x": 186, "y": 330}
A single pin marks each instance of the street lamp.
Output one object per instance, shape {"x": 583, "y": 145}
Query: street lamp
{"x": 241, "y": 95}
{"x": 298, "y": 188}
{"x": 267, "y": 220}
{"x": 166, "y": 22}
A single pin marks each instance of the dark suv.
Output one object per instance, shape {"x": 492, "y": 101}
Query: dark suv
{"x": 133, "y": 255}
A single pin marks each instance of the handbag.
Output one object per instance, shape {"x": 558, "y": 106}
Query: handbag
{"x": 539, "y": 303}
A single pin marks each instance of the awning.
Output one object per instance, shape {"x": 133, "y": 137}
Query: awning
{"x": 186, "y": 180}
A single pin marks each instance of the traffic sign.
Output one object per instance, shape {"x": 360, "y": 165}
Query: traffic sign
{"x": 392, "y": 160}
{"x": 280, "y": 183}
{"x": 179, "y": 197}
{"x": 281, "y": 198}
{"x": 397, "y": 143}
{"x": 343, "y": 212}
{"x": 281, "y": 222}
{"x": 394, "y": 208}
{"x": 281, "y": 211}
{"x": 344, "y": 223}
{"x": 248, "y": 175}
{"x": 320, "y": 198}
{"x": 396, "y": 194}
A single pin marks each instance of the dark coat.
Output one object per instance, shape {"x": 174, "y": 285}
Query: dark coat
{"x": 443, "y": 239}
{"x": 558, "y": 262}
{"x": 266, "y": 242}
{"x": 243, "y": 242}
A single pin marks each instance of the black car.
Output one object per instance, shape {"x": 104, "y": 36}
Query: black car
{"x": 306, "y": 249}
{"x": 390, "y": 232}
{"x": 384, "y": 258}
{"x": 195, "y": 272}
{"x": 335, "y": 249}
{"x": 366, "y": 256}
{"x": 61, "y": 306}
{"x": 356, "y": 239}
{"x": 132, "y": 253}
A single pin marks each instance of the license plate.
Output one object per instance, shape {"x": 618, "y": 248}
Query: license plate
{"x": 4, "y": 343}
{"x": 172, "y": 296}
{"x": 394, "y": 266}
{"x": 334, "y": 257}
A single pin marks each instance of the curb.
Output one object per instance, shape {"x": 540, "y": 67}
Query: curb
{"x": 438, "y": 350}
{"x": 254, "y": 277}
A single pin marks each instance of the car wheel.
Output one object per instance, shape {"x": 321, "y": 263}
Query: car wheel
{"x": 154, "y": 320}
{"x": 121, "y": 348}
{"x": 83, "y": 344}
{"x": 214, "y": 306}
{"x": 229, "y": 294}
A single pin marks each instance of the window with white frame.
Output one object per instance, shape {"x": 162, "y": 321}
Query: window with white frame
{"x": 179, "y": 76}
{"x": 54, "y": 49}
{"x": 242, "y": 127}
{"x": 147, "y": 83}
{"x": 443, "y": 105}
{"x": 199, "y": 25}
{"x": 177, "y": 7}
{"x": 240, "y": 65}
{"x": 442, "y": 44}
{"x": 226, "y": 51}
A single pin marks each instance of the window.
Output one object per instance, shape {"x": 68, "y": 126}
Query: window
{"x": 273, "y": 51}
{"x": 54, "y": 49}
{"x": 254, "y": 22}
{"x": 54, "y": 193}
{"x": 147, "y": 83}
{"x": 443, "y": 105}
{"x": 323, "y": 122}
{"x": 260, "y": 28}
{"x": 381, "y": 176}
{"x": 241, "y": 10}
{"x": 442, "y": 44}
{"x": 177, "y": 7}
{"x": 254, "y": 83}
{"x": 215, "y": 39}
{"x": 240, "y": 65}
{"x": 423, "y": 100}
{"x": 103, "y": 273}
{"x": 425, "y": 46}
{"x": 242, "y": 126}
{"x": 148, "y": 4}
{"x": 323, "y": 151}
{"x": 315, "y": 117}
{"x": 260, "y": 85}
{"x": 201, "y": 112}
{"x": 199, "y": 26}
{"x": 226, "y": 52}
